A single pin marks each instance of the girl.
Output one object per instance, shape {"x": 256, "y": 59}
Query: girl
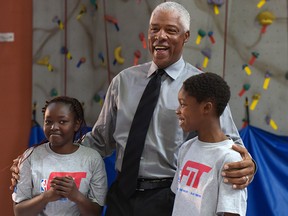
{"x": 60, "y": 177}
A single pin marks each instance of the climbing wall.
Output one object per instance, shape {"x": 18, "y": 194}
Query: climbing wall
{"x": 80, "y": 45}
{"x": 256, "y": 63}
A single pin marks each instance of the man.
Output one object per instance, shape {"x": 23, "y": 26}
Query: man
{"x": 167, "y": 34}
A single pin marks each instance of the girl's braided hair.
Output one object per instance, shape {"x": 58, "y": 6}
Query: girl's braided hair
{"x": 76, "y": 108}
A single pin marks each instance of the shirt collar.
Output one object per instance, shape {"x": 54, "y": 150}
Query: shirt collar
{"x": 173, "y": 70}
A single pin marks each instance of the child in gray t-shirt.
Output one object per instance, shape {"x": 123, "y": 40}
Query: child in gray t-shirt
{"x": 60, "y": 177}
{"x": 198, "y": 183}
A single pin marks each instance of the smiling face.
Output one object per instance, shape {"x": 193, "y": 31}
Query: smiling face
{"x": 166, "y": 38}
{"x": 190, "y": 112}
{"x": 59, "y": 125}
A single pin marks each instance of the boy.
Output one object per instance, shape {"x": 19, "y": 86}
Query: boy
{"x": 198, "y": 183}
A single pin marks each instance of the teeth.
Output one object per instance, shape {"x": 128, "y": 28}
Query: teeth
{"x": 159, "y": 47}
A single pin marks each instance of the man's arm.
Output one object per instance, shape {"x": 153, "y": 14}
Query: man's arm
{"x": 228, "y": 126}
{"x": 14, "y": 173}
{"x": 239, "y": 174}
{"x": 101, "y": 136}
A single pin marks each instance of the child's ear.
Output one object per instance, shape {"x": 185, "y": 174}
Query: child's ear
{"x": 208, "y": 106}
{"x": 77, "y": 125}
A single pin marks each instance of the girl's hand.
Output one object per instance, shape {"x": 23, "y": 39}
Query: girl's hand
{"x": 65, "y": 187}
{"x": 51, "y": 195}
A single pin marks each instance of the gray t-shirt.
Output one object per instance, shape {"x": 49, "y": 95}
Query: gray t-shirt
{"x": 198, "y": 184}
{"x": 85, "y": 165}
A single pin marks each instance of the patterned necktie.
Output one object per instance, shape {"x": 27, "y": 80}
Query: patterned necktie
{"x": 137, "y": 135}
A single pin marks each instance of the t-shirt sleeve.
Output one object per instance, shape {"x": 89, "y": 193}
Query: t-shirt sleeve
{"x": 98, "y": 184}
{"x": 23, "y": 189}
{"x": 231, "y": 200}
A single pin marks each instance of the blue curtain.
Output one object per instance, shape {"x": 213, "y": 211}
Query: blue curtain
{"x": 268, "y": 193}
{"x": 36, "y": 135}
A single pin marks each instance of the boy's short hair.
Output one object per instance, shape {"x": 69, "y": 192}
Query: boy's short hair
{"x": 209, "y": 87}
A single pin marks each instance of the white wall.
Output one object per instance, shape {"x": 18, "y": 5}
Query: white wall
{"x": 235, "y": 41}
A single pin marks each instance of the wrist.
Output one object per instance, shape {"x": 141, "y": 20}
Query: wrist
{"x": 45, "y": 197}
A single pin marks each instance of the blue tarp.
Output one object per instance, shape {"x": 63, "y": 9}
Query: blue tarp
{"x": 268, "y": 193}
{"x": 36, "y": 135}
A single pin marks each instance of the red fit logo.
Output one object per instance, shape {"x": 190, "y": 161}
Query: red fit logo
{"x": 194, "y": 172}
{"x": 77, "y": 176}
